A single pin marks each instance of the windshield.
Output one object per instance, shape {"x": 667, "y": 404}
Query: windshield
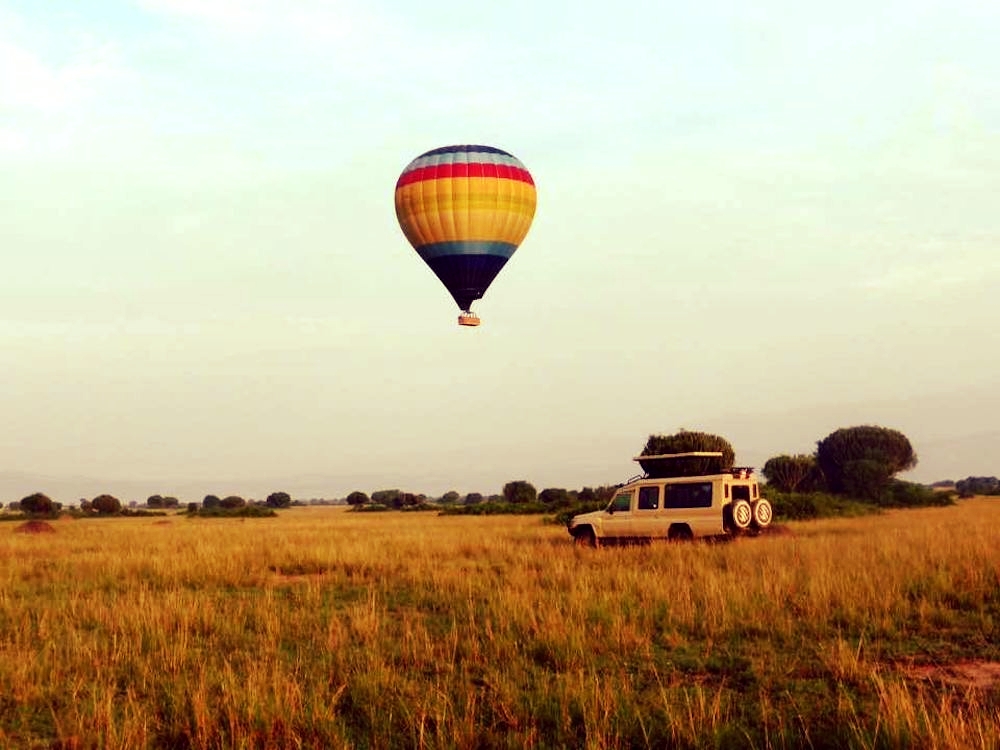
{"x": 622, "y": 501}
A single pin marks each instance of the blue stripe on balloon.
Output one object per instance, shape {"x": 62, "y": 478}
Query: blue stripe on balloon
{"x": 465, "y": 149}
{"x": 477, "y": 247}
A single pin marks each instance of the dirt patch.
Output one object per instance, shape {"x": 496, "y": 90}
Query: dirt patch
{"x": 35, "y": 527}
{"x": 970, "y": 674}
{"x": 161, "y": 522}
{"x": 777, "y": 530}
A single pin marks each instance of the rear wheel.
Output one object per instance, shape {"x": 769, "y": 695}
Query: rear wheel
{"x": 680, "y": 533}
{"x": 762, "y": 514}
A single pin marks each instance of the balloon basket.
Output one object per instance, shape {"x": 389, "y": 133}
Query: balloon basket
{"x": 468, "y": 319}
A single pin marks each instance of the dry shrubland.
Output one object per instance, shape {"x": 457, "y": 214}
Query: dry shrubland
{"x": 324, "y": 628}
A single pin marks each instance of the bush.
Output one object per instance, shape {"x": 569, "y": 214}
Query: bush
{"x": 495, "y": 509}
{"x": 247, "y": 511}
{"x": 798, "y": 506}
{"x": 900, "y": 494}
{"x": 106, "y": 505}
{"x": 687, "y": 442}
{"x": 978, "y": 486}
{"x": 519, "y": 491}
{"x": 861, "y": 461}
{"x": 37, "y": 504}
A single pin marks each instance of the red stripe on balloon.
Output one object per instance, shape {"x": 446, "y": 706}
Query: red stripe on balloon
{"x": 459, "y": 169}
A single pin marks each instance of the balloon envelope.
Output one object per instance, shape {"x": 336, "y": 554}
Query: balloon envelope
{"x": 465, "y": 209}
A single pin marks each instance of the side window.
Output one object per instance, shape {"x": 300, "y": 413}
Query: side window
{"x": 691, "y": 495}
{"x": 649, "y": 498}
{"x": 621, "y": 502}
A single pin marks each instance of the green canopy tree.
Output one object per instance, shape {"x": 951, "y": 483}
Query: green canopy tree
{"x": 106, "y": 505}
{"x": 519, "y": 491}
{"x": 793, "y": 473}
{"x": 37, "y": 504}
{"x": 687, "y": 441}
{"x": 861, "y": 461}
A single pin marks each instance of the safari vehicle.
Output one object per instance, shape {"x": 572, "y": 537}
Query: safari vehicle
{"x": 674, "y": 507}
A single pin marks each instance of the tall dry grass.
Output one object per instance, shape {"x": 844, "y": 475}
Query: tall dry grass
{"x": 323, "y": 628}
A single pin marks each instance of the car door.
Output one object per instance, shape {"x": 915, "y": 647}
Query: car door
{"x": 617, "y": 521}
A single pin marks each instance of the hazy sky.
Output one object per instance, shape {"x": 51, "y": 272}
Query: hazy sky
{"x": 766, "y": 221}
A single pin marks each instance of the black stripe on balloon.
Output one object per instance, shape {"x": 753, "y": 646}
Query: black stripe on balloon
{"x": 466, "y": 277}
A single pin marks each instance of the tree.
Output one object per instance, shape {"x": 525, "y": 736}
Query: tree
{"x": 279, "y": 500}
{"x": 155, "y": 501}
{"x": 450, "y": 497}
{"x": 687, "y": 441}
{"x": 474, "y": 498}
{"x": 555, "y": 496}
{"x": 792, "y": 473}
{"x": 106, "y": 505}
{"x": 860, "y": 461}
{"x": 37, "y": 504}
{"x": 978, "y": 486}
{"x": 233, "y": 501}
{"x": 519, "y": 491}
{"x": 211, "y": 501}
{"x": 357, "y": 498}
{"x": 386, "y": 497}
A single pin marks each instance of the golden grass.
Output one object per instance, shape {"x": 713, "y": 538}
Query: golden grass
{"x": 323, "y": 628}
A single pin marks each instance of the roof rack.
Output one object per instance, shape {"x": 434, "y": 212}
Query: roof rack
{"x": 692, "y": 454}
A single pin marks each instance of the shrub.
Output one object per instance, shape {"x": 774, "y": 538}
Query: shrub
{"x": 978, "y": 486}
{"x": 900, "y": 494}
{"x": 687, "y": 442}
{"x": 106, "y": 505}
{"x": 37, "y": 504}
{"x": 519, "y": 491}
{"x": 861, "y": 460}
{"x": 796, "y": 506}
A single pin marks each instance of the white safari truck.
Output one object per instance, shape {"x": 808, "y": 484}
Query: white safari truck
{"x": 677, "y": 507}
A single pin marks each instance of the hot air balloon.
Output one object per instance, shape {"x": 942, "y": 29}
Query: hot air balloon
{"x": 465, "y": 209}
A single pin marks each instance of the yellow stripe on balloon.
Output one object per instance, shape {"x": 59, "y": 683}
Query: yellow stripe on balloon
{"x": 466, "y": 208}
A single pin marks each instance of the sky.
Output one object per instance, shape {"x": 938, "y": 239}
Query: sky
{"x": 766, "y": 222}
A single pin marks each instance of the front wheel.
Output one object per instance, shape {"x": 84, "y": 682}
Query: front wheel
{"x": 585, "y": 537}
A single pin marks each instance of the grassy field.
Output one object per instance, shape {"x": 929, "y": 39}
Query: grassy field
{"x": 322, "y": 628}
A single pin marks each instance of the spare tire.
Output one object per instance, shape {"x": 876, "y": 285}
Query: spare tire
{"x": 763, "y": 513}
{"x": 742, "y": 514}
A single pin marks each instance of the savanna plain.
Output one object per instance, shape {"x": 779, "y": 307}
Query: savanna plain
{"x": 326, "y": 628}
